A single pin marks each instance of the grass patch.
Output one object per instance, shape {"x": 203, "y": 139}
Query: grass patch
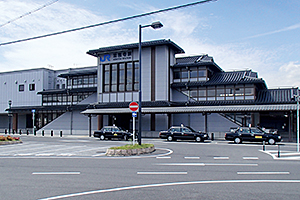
{"x": 136, "y": 146}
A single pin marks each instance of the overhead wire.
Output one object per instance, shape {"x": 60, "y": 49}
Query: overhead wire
{"x": 30, "y": 12}
{"x": 110, "y": 22}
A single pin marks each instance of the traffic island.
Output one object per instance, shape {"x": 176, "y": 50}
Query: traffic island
{"x": 4, "y": 140}
{"x": 130, "y": 150}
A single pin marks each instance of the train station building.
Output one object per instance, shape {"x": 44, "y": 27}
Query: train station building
{"x": 176, "y": 89}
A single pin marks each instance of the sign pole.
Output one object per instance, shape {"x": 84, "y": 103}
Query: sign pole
{"x": 133, "y": 106}
{"x": 133, "y": 130}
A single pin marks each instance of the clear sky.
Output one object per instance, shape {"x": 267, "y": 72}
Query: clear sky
{"x": 262, "y": 35}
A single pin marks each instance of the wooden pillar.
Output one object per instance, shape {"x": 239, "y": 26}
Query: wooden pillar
{"x": 15, "y": 122}
{"x": 100, "y": 121}
{"x": 152, "y": 122}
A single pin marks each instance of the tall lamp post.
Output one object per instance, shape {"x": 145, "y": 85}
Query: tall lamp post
{"x": 296, "y": 96}
{"x": 154, "y": 25}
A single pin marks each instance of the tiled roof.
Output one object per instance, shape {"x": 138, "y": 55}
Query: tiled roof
{"x": 276, "y": 96}
{"x": 226, "y": 78}
{"x": 69, "y": 91}
{"x": 126, "y": 104}
{"x": 197, "y": 61}
{"x": 79, "y": 72}
{"x": 167, "y": 42}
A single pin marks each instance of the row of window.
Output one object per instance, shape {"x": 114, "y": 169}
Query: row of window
{"x": 190, "y": 74}
{"x": 64, "y": 99}
{"x": 83, "y": 81}
{"x": 31, "y": 87}
{"x": 228, "y": 92}
{"x": 121, "y": 77}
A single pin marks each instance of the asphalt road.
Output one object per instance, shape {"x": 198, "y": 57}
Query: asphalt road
{"x": 76, "y": 168}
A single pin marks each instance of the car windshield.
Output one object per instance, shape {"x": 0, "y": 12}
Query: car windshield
{"x": 191, "y": 129}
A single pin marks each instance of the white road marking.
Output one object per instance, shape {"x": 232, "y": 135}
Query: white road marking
{"x": 192, "y": 158}
{"x": 161, "y": 173}
{"x": 163, "y": 157}
{"x": 263, "y": 173}
{"x": 221, "y": 158}
{"x": 207, "y": 164}
{"x": 166, "y": 184}
{"x": 65, "y": 154}
{"x": 231, "y": 164}
{"x": 181, "y": 164}
{"x": 250, "y": 158}
{"x": 24, "y": 154}
{"x": 44, "y": 154}
{"x": 55, "y": 173}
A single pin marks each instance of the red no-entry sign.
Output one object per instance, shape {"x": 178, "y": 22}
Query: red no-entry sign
{"x": 133, "y": 106}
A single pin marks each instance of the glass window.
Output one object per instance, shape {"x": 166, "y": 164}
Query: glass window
{"x": 136, "y": 76}
{"x": 202, "y": 92}
{"x": 193, "y": 93}
{"x": 21, "y": 88}
{"x": 184, "y": 74}
{"x": 194, "y": 72}
{"x": 31, "y": 87}
{"x": 176, "y": 73}
{"x": 211, "y": 91}
{"x": 202, "y": 73}
{"x": 129, "y": 77}
{"x": 85, "y": 80}
{"x": 229, "y": 92}
{"x": 249, "y": 91}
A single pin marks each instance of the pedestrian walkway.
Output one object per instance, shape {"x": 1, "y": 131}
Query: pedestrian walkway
{"x": 283, "y": 155}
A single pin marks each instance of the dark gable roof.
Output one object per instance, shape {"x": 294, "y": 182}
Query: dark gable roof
{"x": 68, "y": 91}
{"x": 167, "y": 42}
{"x": 227, "y": 78}
{"x": 79, "y": 72}
{"x": 200, "y": 60}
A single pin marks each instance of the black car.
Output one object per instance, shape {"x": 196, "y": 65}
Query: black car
{"x": 110, "y": 132}
{"x": 183, "y": 133}
{"x": 252, "y": 134}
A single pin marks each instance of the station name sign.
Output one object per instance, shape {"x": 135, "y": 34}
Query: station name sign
{"x": 120, "y": 56}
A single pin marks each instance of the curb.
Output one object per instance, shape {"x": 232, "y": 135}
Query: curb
{"x": 129, "y": 152}
{"x": 10, "y": 142}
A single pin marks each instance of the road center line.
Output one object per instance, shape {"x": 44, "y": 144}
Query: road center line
{"x": 208, "y": 164}
{"x": 55, "y": 173}
{"x": 263, "y": 173}
{"x": 250, "y": 158}
{"x": 192, "y": 158}
{"x": 221, "y": 158}
{"x": 163, "y": 157}
{"x": 161, "y": 173}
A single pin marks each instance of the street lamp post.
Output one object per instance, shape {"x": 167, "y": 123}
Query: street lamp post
{"x": 297, "y": 98}
{"x": 154, "y": 25}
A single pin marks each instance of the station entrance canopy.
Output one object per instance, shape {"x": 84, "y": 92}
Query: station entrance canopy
{"x": 198, "y": 109}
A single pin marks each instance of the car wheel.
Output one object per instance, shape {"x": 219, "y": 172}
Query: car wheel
{"x": 198, "y": 139}
{"x": 237, "y": 140}
{"x": 125, "y": 137}
{"x": 102, "y": 137}
{"x": 170, "y": 138}
{"x": 271, "y": 141}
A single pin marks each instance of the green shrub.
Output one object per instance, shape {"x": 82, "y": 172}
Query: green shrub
{"x": 136, "y": 146}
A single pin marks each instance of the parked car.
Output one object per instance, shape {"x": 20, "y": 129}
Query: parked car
{"x": 252, "y": 134}
{"x": 110, "y": 132}
{"x": 183, "y": 133}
